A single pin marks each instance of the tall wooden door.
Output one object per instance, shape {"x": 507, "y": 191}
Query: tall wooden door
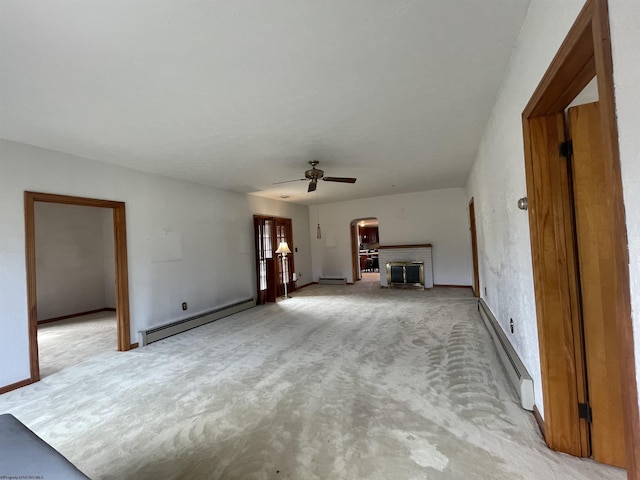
{"x": 597, "y": 282}
{"x": 269, "y": 232}
{"x": 575, "y": 280}
{"x": 265, "y": 259}
{"x": 555, "y": 281}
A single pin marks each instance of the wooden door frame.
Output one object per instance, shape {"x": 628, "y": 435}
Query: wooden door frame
{"x": 585, "y": 53}
{"x": 355, "y": 252}
{"x": 354, "y": 230}
{"x": 474, "y": 248}
{"x": 122, "y": 276}
{"x": 276, "y": 274}
{"x": 268, "y": 296}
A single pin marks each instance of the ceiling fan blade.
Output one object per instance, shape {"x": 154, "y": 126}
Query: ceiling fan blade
{"x": 339, "y": 179}
{"x": 313, "y": 184}
{"x": 289, "y": 181}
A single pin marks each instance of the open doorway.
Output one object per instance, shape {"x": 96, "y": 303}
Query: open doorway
{"x": 75, "y": 284}
{"x": 365, "y": 240}
{"x": 116, "y": 211}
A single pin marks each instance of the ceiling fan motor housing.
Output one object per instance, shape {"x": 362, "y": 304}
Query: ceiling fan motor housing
{"x": 314, "y": 173}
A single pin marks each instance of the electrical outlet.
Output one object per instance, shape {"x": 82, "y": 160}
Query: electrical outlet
{"x": 184, "y": 305}
{"x": 511, "y": 324}
{"x": 299, "y": 274}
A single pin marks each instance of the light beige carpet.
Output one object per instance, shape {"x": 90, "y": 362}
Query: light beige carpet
{"x": 339, "y": 382}
{"x": 65, "y": 343}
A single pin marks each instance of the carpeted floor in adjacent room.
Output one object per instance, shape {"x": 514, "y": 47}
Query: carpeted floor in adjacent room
{"x": 338, "y": 382}
{"x": 65, "y": 343}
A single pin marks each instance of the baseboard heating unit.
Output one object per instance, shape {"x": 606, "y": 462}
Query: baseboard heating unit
{"x": 332, "y": 281}
{"x": 158, "y": 333}
{"x": 514, "y": 367}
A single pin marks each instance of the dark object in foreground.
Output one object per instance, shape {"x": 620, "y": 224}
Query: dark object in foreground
{"x": 25, "y": 455}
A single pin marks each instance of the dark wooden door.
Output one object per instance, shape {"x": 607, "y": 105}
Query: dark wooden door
{"x": 269, "y": 232}
{"x": 265, "y": 264}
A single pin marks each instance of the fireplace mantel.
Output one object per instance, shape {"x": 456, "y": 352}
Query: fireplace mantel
{"x": 408, "y": 254}
{"x": 386, "y": 247}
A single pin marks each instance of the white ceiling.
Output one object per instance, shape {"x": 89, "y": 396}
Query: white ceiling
{"x": 242, "y": 94}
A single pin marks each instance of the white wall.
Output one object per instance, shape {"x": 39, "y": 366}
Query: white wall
{"x": 624, "y": 17}
{"x": 497, "y": 178}
{"x": 109, "y": 258}
{"x": 185, "y": 242}
{"x": 438, "y": 217}
{"x": 69, "y": 259}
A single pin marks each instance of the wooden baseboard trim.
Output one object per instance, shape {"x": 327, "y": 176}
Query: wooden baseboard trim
{"x": 540, "y": 421}
{"x": 306, "y": 285}
{"x": 14, "y": 386}
{"x": 453, "y": 286}
{"x": 133, "y": 345}
{"x": 73, "y": 315}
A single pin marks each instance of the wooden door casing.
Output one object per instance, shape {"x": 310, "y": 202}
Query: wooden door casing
{"x": 474, "y": 248}
{"x": 584, "y": 53}
{"x": 121, "y": 269}
{"x": 268, "y": 233}
{"x": 355, "y": 253}
{"x": 265, "y": 266}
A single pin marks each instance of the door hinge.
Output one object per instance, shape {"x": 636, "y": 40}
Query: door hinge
{"x": 566, "y": 149}
{"x": 584, "y": 412}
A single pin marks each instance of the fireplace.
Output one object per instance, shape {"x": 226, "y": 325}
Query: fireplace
{"x": 406, "y": 255}
{"x": 405, "y": 274}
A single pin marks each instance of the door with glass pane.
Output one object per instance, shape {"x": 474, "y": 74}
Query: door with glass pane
{"x": 269, "y": 232}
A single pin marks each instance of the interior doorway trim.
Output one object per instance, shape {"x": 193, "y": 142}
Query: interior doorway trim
{"x": 585, "y": 53}
{"x": 354, "y": 228}
{"x": 279, "y": 229}
{"x": 474, "y": 249}
{"x": 122, "y": 282}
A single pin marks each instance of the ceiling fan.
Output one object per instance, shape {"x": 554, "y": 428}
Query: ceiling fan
{"x": 314, "y": 174}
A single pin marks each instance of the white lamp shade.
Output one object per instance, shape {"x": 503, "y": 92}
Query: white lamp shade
{"x": 283, "y": 248}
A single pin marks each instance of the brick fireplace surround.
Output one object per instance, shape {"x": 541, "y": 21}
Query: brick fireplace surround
{"x": 406, "y": 253}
